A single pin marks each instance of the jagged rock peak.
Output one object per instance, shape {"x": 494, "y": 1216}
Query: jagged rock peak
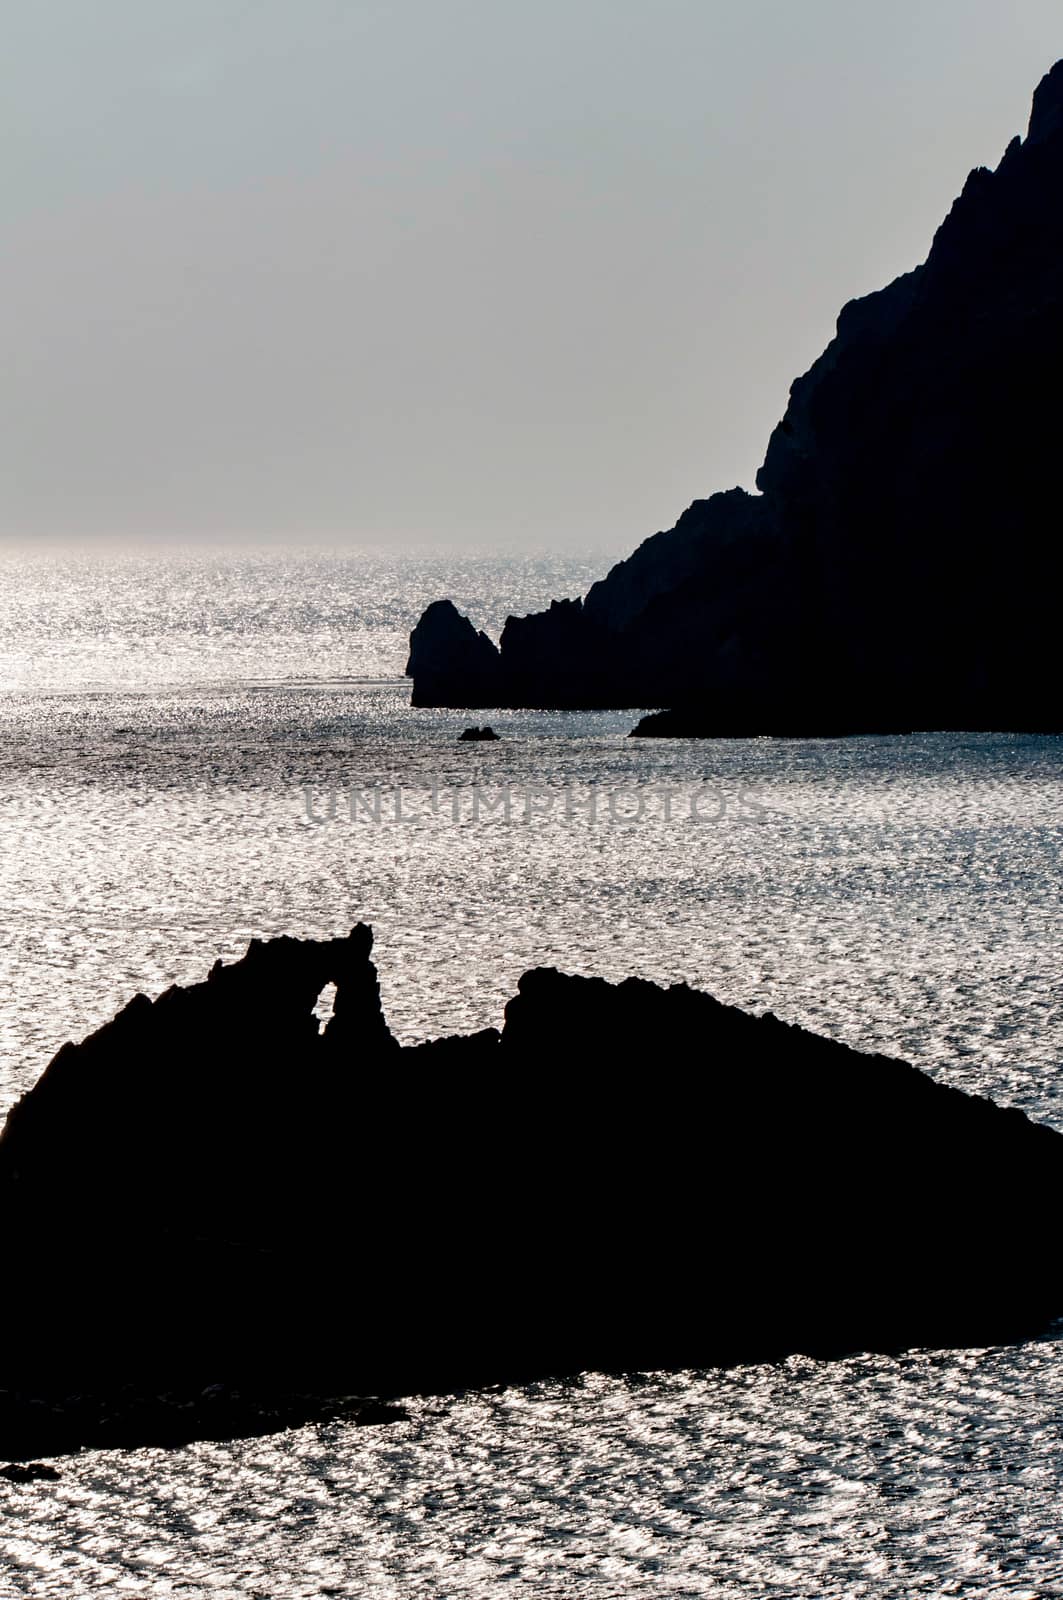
{"x": 1046, "y": 114}
{"x": 450, "y": 659}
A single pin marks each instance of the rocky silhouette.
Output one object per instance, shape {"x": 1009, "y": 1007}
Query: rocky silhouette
{"x": 217, "y": 1217}
{"x": 899, "y": 568}
{"x": 484, "y": 735}
{"x": 451, "y": 664}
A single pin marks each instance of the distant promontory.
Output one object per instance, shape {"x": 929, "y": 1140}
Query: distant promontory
{"x": 899, "y": 568}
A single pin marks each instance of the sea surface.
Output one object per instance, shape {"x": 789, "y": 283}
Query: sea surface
{"x": 195, "y": 750}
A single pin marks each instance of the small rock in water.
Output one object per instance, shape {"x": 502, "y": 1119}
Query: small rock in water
{"x": 477, "y": 733}
{"x": 29, "y": 1472}
{"x": 370, "y": 1415}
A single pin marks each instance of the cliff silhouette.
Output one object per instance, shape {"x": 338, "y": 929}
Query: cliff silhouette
{"x": 899, "y": 568}
{"x": 218, "y": 1218}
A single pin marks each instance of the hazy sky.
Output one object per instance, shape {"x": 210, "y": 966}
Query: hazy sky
{"x": 455, "y": 271}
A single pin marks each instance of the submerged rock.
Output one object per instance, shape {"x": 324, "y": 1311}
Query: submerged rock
{"x": 897, "y": 569}
{"x": 30, "y": 1472}
{"x": 212, "y": 1191}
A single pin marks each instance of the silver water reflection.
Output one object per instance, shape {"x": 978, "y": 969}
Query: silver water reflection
{"x": 935, "y": 1474}
{"x": 902, "y": 894}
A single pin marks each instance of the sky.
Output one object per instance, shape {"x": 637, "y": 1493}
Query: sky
{"x": 476, "y": 273}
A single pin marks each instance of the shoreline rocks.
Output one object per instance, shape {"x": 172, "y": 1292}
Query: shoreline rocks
{"x": 213, "y": 1194}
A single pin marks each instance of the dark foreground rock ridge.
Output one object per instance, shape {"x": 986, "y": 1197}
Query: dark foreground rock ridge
{"x": 899, "y": 569}
{"x": 218, "y": 1218}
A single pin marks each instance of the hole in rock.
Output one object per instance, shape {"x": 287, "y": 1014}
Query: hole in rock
{"x": 323, "y": 1006}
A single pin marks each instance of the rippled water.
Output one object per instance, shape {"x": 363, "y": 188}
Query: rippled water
{"x": 171, "y": 741}
{"x": 929, "y": 1475}
{"x": 169, "y": 618}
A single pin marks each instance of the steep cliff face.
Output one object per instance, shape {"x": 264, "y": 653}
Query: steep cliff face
{"x": 900, "y": 565}
{"x": 451, "y": 664}
{"x": 210, "y": 1190}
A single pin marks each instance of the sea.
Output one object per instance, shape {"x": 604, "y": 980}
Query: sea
{"x": 198, "y": 748}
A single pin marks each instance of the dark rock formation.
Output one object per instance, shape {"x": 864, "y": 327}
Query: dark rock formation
{"x": 451, "y": 664}
{"x": 477, "y": 735}
{"x": 899, "y": 568}
{"x": 31, "y": 1472}
{"x": 686, "y": 723}
{"x": 215, "y": 1214}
